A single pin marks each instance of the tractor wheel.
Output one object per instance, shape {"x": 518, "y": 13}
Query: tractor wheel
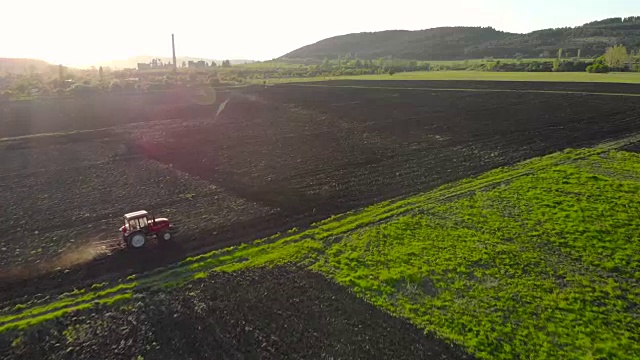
{"x": 137, "y": 240}
{"x": 165, "y": 236}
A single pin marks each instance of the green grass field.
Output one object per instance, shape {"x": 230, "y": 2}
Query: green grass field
{"x": 627, "y": 77}
{"x": 536, "y": 260}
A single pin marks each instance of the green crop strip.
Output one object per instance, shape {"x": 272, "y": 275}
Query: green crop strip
{"x": 544, "y": 267}
{"x": 67, "y": 303}
{"x": 537, "y": 260}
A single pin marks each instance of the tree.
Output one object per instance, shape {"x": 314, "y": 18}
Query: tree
{"x": 81, "y": 89}
{"x": 101, "y": 74}
{"x": 615, "y": 57}
{"x": 61, "y": 73}
{"x": 636, "y": 61}
{"x": 213, "y": 64}
{"x": 184, "y": 64}
{"x": 226, "y": 63}
{"x": 116, "y": 87}
{"x": 325, "y": 64}
{"x": 597, "y": 68}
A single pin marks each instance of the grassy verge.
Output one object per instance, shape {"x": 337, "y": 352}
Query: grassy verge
{"x": 537, "y": 260}
{"x": 480, "y": 75}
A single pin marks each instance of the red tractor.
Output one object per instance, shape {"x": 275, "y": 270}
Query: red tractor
{"x": 138, "y": 229}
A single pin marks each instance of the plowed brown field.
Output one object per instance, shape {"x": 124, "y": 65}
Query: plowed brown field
{"x": 273, "y": 158}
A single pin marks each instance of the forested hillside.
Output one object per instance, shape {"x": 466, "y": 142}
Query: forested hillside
{"x": 457, "y": 43}
{"x": 23, "y": 66}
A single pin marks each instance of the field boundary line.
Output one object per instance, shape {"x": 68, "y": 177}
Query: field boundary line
{"x": 466, "y": 90}
{"x": 116, "y": 127}
{"x": 54, "y": 134}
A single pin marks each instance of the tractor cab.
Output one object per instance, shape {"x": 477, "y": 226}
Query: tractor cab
{"x": 137, "y": 220}
{"x": 138, "y": 227}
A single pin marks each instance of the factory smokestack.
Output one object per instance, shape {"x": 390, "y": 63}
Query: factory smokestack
{"x": 173, "y": 45}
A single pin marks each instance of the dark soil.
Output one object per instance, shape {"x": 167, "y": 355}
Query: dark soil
{"x": 327, "y": 149}
{"x": 63, "y": 194}
{"x": 276, "y": 157}
{"x": 20, "y": 118}
{"x": 260, "y": 314}
{"x": 586, "y": 87}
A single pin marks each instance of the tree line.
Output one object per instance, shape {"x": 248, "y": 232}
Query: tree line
{"x": 62, "y": 81}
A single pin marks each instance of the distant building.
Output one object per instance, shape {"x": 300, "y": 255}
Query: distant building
{"x": 154, "y": 64}
{"x": 198, "y": 64}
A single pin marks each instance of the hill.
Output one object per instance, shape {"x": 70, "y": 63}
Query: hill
{"x": 459, "y": 43}
{"x": 19, "y": 66}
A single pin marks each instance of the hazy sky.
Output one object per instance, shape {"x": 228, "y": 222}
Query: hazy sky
{"x": 75, "y": 32}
